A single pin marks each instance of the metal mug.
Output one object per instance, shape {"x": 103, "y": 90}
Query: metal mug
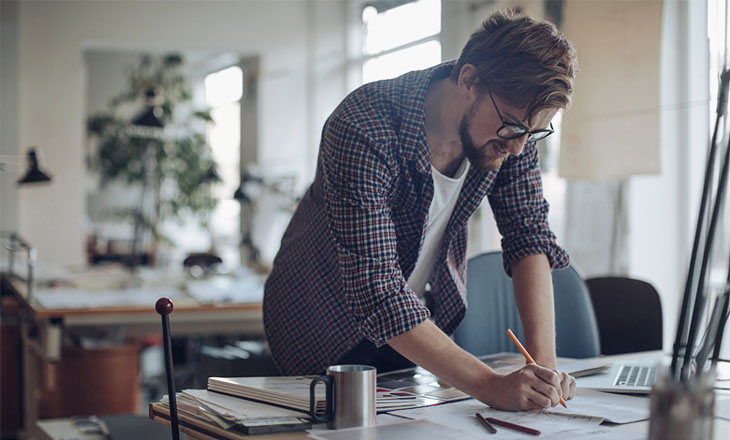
{"x": 349, "y": 394}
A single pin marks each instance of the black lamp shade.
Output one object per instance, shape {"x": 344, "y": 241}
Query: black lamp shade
{"x": 212, "y": 175}
{"x": 34, "y": 173}
{"x": 149, "y": 117}
{"x": 240, "y": 195}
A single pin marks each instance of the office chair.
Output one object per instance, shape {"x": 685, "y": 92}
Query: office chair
{"x": 629, "y": 314}
{"x": 492, "y": 310}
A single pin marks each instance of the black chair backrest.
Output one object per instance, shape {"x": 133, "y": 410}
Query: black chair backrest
{"x": 629, "y": 314}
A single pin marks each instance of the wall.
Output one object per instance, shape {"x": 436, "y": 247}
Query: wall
{"x": 52, "y": 85}
{"x": 8, "y": 113}
{"x": 304, "y": 47}
{"x": 663, "y": 209}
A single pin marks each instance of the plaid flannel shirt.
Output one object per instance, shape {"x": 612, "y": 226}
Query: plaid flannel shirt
{"x": 340, "y": 274}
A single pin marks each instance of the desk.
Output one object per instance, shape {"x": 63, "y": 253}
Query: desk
{"x": 125, "y": 426}
{"x": 42, "y": 328}
{"x": 721, "y": 426}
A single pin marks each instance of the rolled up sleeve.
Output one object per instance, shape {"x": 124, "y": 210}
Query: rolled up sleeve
{"x": 521, "y": 212}
{"x": 357, "y": 182}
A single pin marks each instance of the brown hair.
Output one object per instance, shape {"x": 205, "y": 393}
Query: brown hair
{"x": 527, "y": 63}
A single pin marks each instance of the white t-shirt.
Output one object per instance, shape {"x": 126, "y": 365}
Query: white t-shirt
{"x": 445, "y": 194}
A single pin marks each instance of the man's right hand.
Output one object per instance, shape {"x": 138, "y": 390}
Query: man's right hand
{"x": 530, "y": 387}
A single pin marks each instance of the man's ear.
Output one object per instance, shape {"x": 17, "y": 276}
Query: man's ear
{"x": 468, "y": 79}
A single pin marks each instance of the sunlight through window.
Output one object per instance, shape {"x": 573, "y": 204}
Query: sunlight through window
{"x": 401, "y": 39}
{"x": 223, "y": 92}
{"x": 224, "y": 86}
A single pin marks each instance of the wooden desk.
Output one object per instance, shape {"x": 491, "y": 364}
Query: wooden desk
{"x": 721, "y": 426}
{"x": 42, "y": 329}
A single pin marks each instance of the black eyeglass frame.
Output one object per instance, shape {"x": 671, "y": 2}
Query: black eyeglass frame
{"x": 519, "y": 130}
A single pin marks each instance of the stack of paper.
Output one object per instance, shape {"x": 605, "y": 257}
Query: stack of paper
{"x": 215, "y": 412}
{"x": 293, "y": 392}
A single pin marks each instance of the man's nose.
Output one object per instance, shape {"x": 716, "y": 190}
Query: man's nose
{"x": 515, "y": 146}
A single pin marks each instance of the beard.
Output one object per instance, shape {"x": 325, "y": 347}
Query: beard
{"x": 485, "y": 157}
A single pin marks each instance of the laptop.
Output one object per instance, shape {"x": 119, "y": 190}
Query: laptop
{"x": 639, "y": 376}
{"x": 626, "y": 377}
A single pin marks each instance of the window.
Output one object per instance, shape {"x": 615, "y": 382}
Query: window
{"x": 223, "y": 92}
{"x": 400, "y": 39}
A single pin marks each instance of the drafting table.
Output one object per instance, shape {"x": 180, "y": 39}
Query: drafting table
{"x": 42, "y": 328}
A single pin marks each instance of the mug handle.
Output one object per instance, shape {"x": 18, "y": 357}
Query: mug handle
{"x": 327, "y": 380}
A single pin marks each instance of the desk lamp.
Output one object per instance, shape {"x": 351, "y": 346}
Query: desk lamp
{"x": 33, "y": 174}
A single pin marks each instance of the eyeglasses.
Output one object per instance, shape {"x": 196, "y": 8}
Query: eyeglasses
{"x": 510, "y": 130}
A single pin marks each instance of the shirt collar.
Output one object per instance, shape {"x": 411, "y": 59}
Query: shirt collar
{"x": 416, "y": 148}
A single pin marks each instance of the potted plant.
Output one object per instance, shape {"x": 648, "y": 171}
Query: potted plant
{"x": 162, "y": 150}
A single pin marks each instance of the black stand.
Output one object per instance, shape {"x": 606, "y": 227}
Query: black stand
{"x": 164, "y": 308}
{"x": 686, "y": 331}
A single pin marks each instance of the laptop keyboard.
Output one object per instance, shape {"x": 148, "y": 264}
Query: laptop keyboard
{"x": 636, "y": 376}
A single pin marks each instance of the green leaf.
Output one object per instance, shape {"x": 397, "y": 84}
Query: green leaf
{"x": 180, "y": 164}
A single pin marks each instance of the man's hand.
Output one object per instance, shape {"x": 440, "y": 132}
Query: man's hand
{"x": 567, "y": 384}
{"x": 530, "y": 387}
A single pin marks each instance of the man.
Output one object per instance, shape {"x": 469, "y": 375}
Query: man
{"x": 403, "y": 164}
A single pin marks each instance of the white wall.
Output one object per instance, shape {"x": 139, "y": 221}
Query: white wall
{"x": 52, "y": 85}
{"x": 663, "y": 208}
{"x": 8, "y": 114}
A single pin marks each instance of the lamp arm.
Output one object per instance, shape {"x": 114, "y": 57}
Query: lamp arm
{"x": 15, "y": 242}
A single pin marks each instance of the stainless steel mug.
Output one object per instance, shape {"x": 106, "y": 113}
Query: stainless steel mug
{"x": 350, "y": 396}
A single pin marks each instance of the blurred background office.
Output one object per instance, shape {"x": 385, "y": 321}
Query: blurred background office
{"x": 623, "y": 179}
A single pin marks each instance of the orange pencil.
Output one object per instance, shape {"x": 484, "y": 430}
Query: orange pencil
{"x": 527, "y": 356}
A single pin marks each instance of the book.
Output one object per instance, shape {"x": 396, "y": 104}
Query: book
{"x": 401, "y": 389}
{"x": 293, "y": 392}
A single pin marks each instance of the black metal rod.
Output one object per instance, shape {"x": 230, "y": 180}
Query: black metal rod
{"x": 701, "y": 295}
{"x": 680, "y": 341}
{"x": 164, "y": 308}
{"x": 721, "y": 328}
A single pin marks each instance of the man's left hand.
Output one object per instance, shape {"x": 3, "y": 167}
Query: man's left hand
{"x": 567, "y": 384}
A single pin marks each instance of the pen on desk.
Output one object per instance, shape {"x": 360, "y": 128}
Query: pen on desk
{"x": 509, "y": 425}
{"x": 527, "y": 356}
{"x": 486, "y": 424}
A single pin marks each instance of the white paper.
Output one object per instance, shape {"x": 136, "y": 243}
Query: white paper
{"x": 73, "y": 298}
{"x": 238, "y": 409}
{"x": 614, "y": 408}
{"x": 408, "y": 430}
{"x": 461, "y": 416}
{"x": 226, "y": 290}
{"x": 585, "y": 412}
{"x": 380, "y": 419}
